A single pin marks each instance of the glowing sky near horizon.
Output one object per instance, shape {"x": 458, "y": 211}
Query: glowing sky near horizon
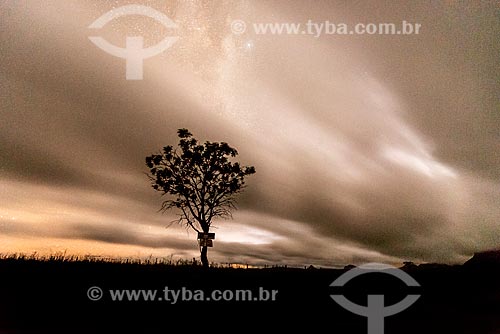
{"x": 367, "y": 148}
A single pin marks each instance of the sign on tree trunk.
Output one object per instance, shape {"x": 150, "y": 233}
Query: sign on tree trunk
{"x": 202, "y": 235}
{"x": 206, "y": 242}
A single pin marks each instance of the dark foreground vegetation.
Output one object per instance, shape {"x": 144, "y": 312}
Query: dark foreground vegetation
{"x": 52, "y": 296}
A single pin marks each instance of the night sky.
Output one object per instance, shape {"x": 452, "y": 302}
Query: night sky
{"x": 367, "y": 147}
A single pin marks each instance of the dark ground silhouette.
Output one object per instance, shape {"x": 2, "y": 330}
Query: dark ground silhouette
{"x": 51, "y": 296}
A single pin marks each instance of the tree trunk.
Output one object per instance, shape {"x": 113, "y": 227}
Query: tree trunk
{"x": 204, "y": 257}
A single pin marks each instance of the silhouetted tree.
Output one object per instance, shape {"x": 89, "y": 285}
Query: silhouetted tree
{"x": 201, "y": 180}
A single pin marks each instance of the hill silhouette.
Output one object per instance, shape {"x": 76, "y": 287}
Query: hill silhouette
{"x": 53, "y": 296}
{"x": 485, "y": 259}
